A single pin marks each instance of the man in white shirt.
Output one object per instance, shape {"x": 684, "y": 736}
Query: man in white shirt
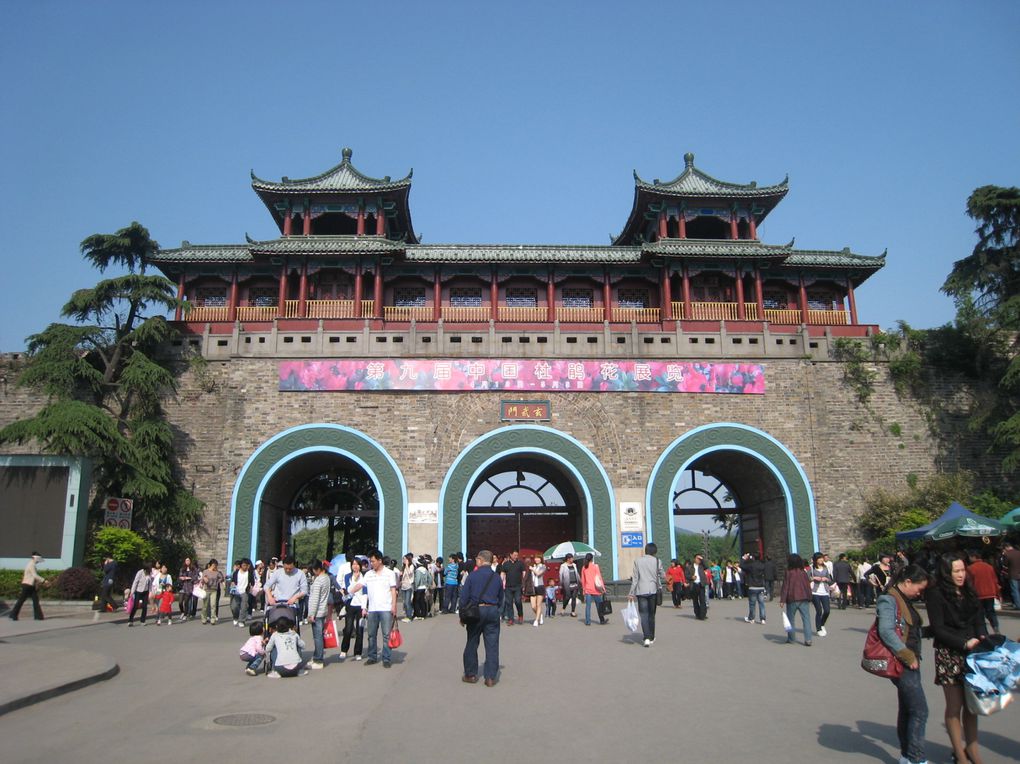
{"x": 380, "y": 583}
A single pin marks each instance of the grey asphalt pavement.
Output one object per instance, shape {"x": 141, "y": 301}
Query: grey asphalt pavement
{"x": 714, "y": 691}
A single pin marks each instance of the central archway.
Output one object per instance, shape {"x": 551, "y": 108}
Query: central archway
{"x": 515, "y": 442}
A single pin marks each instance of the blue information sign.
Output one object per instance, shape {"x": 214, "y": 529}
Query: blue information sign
{"x": 633, "y": 540}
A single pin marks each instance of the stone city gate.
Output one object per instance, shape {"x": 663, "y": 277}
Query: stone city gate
{"x": 760, "y": 469}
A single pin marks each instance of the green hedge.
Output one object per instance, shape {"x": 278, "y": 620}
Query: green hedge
{"x": 10, "y": 584}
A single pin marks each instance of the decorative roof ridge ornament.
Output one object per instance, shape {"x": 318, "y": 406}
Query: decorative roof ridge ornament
{"x": 687, "y": 183}
{"x": 321, "y": 180}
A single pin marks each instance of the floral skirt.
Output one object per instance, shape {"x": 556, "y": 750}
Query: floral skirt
{"x": 949, "y": 666}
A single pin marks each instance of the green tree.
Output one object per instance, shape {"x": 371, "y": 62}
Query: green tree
{"x": 990, "y": 277}
{"x": 105, "y": 384}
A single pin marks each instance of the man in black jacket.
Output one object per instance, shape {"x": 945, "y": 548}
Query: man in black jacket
{"x": 753, "y": 570}
{"x": 106, "y": 597}
{"x": 771, "y": 574}
{"x": 697, "y": 578}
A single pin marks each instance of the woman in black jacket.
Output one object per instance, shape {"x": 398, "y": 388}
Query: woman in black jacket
{"x": 957, "y": 626}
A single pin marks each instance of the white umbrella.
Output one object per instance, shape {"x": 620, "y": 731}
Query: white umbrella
{"x": 576, "y": 548}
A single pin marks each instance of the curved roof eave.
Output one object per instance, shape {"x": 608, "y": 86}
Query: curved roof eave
{"x": 343, "y": 178}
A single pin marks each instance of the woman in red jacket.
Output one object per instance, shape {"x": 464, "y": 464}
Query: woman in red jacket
{"x": 796, "y": 596}
{"x": 594, "y": 588}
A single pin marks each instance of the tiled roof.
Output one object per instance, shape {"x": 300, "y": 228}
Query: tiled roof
{"x": 343, "y": 178}
{"x": 203, "y": 253}
{"x": 693, "y": 182}
{"x": 522, "y": 253}
{"x": 834, "y": 259}
{"x": 731, "y": 248}
{"x": 309, "y": 245}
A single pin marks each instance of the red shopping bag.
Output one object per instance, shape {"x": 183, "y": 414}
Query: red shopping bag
{"x": 329, "y": 635}
{"x": 395, "y": 639}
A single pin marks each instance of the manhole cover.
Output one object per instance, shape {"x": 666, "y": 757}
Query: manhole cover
{"x": 244, "y": 720}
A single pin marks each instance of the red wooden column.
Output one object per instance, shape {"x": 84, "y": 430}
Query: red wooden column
{"x": 232, "y": 305}
{"x": 494, "y": 294}
{"x": 306, "y": 223}
{"x": 607, "y": 296}
{"x": 733, "y": 224}
{"x": 667, "y": 295}
{"x": 377, "y": 289}
{"x": 663, "y": 225}
{"x": 741, "y": 315}
{"x": 687, "y": 292}
{"x": 303, "y": 291}
{"x": 359, "y": 287}
{"x": 361, "y": 220}
{"x": 682, "y": 225}
{"x": 759, "y": 294}
{"x": 851, "y": 300}
{"x": 288, "y": 224}
{"x": 380, "y": 220}
{"x": 180, "y": 297}
{"x": 753, "y": 226}
{"x": 281, "y": 299}
{"x": 437, "y": 296}
{"x": 550, "y": 296}
{"x": 803, "y": 301}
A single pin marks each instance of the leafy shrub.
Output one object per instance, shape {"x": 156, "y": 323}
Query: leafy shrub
{"x": 126, "y": 547}
{"x": 77, "y": 584}
{"x": 10, "y": 584}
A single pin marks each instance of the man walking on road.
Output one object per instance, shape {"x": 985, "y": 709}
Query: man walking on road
{"x": 30, "y": 582}
{"x": 484, "y": 588}
{"x": 645, "y": 583}
{"x": 697, "y": 577}
{"x": 513, "y": 574}
{"x": 381, "y": 585}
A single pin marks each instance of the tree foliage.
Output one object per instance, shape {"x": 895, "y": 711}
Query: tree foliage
{"x": 105, "y": 384}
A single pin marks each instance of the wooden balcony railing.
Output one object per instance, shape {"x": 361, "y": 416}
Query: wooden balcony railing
{"x": 256, "y": 312}
{"x": 330, "y": 308}
{"x": 201, "y": 313}
{"x": 474, "y": 314}
{"x": 291, "y": 309}
{"x": 713, "y": 311}
{"x": 579, "y": 315}
{"x": 827, "y": 317}
{"x": 523, "y": 315}
{"x": 751, "y": 311}
{"x": 640, "y": 315}
{"x": 395, "y": 313}
{"x": 782, "y": 316}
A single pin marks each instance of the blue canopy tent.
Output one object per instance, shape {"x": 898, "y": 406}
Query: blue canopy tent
{"x": 956, "y": 510}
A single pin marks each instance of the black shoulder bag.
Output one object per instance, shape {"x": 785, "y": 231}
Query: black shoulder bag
{"x": 471, "y": 612}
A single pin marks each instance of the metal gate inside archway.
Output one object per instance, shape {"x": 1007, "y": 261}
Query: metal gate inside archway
{"x": 526, "y": 504}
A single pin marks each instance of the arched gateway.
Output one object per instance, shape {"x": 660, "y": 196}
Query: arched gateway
{"x": 531, "y": 442}
{"x": 303, "y": 443}
{"x": 765, "y": 474}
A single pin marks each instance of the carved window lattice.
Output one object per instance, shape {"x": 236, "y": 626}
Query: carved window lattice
{"x": 263, "y": 297}
{"x": 521, "y": 297}
{"x": 409, "y": 297}
{"x": 211, "y": 297}
{"x": 633, "y": 298}
{"x": 578, "y": 298}
{"x": 466, "y": 297}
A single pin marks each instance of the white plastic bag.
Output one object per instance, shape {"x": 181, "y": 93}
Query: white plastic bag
{"x": 631, "y": 617}
{"x": 786, "y": 623}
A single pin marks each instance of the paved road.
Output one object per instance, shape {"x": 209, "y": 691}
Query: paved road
{"x": 714, "y": 691}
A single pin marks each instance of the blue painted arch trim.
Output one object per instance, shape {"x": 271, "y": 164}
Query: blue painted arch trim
{"x": 802, "y": 521}
{"x": 266, "y": 461}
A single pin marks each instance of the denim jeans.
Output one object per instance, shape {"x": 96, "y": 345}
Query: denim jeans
{"x": 821, "y": 610}
{"x": 451, "y": 593}
{"x": 254, "y": 661}
{"x": 588, "y": 599}
{"x": 792, "y": 609}
{"x": 756, "y": 594}
{"x": 1014, "y": 592}
{"x": 375, "y": 619}
{"x": 512, "y": 599}
{"x": 318, "y": 627}
{"x": 912, "y": 715}
{"x": 487, "y": 628}
{"x": 646, "y": 604}
{"x": 239, "y": 606}
{"x": 407, "y": 596}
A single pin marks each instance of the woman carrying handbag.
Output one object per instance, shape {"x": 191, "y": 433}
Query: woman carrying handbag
{"x": 899, "y": 628}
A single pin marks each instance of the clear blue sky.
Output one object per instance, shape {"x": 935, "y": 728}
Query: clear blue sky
{"x": 523, "y": 122}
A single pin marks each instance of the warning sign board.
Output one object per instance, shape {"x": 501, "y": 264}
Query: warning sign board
{"x": 118, "y": 513}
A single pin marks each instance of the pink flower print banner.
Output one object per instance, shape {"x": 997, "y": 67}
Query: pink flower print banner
{"x": 475, "y": 374}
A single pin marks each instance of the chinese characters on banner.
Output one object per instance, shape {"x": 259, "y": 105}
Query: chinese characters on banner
{"x": 537, "y": 375}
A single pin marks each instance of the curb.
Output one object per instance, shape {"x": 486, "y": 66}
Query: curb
{"x": 107, "y": 669}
